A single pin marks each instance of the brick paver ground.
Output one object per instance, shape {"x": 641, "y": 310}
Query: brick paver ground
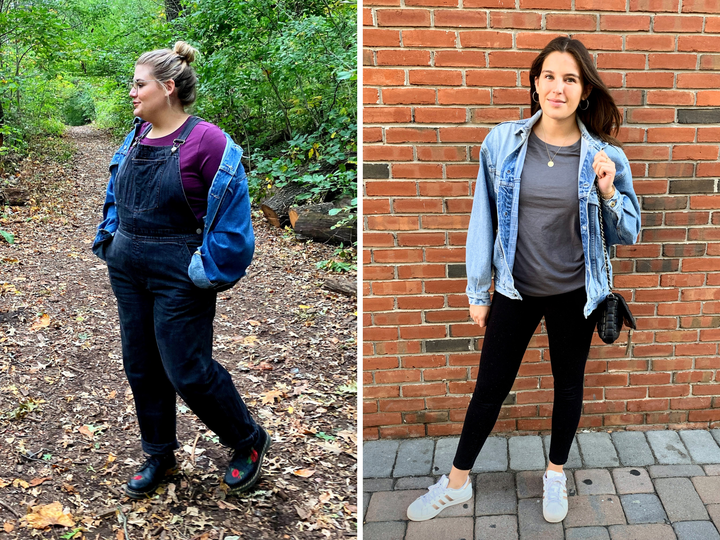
{"x": 659, "y": 485}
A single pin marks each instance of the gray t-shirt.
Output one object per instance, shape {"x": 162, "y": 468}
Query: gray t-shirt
{"x": 549, "y": 258}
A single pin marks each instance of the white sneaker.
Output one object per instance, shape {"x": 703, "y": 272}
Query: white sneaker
{"x": 438, "y": 498}
{"x": 555, "y": 502}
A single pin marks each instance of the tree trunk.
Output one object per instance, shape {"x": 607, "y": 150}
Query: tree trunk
{"x": 172, "y": 9}
{"x": 314, "y": 221}
{"x": 342, "y": 286}
{"x": 13, "y": 196}
{"x": 276, "y": 207}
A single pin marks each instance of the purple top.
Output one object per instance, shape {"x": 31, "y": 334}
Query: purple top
{"x": 200, "y": 159}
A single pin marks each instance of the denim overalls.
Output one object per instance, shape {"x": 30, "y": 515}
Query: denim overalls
{"x": 166, "y": 322}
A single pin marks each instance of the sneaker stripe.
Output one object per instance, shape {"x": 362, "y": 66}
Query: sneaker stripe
{"x": 449, "y": 498}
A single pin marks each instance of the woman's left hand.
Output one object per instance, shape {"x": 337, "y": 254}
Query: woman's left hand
{"x": 605, "y": 170}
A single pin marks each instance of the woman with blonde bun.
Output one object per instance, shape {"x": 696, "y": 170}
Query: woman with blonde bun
{"x": 176, "y": 230}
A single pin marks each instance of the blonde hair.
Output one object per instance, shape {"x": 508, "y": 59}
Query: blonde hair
{"x": 174, "y": 65}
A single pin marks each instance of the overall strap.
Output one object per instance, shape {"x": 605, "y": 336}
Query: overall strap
{"x": 194, "y": 121}
{"x": 139, "y": 136}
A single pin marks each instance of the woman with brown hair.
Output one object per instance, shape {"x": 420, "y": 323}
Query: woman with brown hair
{"x": 535, "y": 226}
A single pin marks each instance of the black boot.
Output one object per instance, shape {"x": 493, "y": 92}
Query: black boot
{"x": 146, "y": 480}
{"x": 245, "y": 465}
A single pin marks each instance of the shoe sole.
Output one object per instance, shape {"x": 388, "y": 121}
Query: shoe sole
{"x": 456, "y": 501}
{"x": 145, "y": 494}
{"x": 554, "y": 520}
{"x": 255, "y": 477}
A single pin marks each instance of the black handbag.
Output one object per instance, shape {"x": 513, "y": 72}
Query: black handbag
{"x": 613, "y": 311}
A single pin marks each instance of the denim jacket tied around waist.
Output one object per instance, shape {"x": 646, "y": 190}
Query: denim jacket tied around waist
{"x": 228, "y": 239}
{"x": 493, "y": 230}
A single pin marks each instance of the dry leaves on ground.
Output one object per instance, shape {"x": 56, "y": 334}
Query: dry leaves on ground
{"x": 68, "y": 431}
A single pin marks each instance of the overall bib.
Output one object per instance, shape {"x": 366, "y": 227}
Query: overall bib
{"x": 166, "y": 322}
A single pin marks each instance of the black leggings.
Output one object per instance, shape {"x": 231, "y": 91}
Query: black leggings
{"x": 510, "y": 326}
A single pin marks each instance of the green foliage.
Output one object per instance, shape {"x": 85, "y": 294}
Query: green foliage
{"x": 111, "y": 106}
{"x": 8, "y": 237}
{"x": 280, "y": 77}
{"x": 323, "y": 160}
{"x": 24, "y": 407}
{"x": 344, "y": 260}
{"x": 79, "y": 109}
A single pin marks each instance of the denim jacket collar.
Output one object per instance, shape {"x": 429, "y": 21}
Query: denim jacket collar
{"x": 492, "y": 233}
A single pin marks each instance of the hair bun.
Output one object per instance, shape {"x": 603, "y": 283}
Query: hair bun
{"x": 186, "y": 51}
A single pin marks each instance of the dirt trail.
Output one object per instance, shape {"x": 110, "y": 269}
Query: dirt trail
{"x": 68, "y": 431}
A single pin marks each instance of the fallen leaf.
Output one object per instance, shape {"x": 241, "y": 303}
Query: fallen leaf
{"x": 264, "y": 366}
{"x": 42, "y": 322}
{"x": 37, "y": 481}
{"x": 349, "y": 508}
{"x": 43, "y": 516}
{"x": 8, "y": 527}
{"x": 87, "y": 431}
{"x": 269, "y": 397}
{"x": 19, "y": 482}
{"x": 302, "y": 512}
{"x": 305, "y": 473}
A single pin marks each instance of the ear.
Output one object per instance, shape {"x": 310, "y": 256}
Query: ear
{"x": 169, "y": 87}
{"x": 586, "y": 91}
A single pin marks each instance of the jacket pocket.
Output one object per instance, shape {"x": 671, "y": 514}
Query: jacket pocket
{"x": 101, "y": 243}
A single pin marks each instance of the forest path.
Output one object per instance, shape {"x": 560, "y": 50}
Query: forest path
{"x": 68, "y": 430}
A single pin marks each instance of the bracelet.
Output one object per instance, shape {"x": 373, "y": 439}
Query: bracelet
{"x": 611, "y": 195}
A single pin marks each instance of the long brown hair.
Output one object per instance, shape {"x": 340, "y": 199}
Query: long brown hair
{"x": 602, "y": 116}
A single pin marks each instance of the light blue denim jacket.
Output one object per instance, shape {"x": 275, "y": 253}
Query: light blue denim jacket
{"x": 493, "y": 229}
{"x": 228, "y": 239}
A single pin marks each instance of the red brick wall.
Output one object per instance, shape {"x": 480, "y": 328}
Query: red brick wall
{"x": 438, "y": 75}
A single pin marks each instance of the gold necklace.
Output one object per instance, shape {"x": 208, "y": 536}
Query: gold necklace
{"x": 551, "y": 160}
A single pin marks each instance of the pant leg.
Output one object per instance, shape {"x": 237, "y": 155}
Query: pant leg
{"x": 510, "y": 326}
{"x": 569, "y": 336}
{"x": 153, "y": 393}
{"x": 183, "y": 321}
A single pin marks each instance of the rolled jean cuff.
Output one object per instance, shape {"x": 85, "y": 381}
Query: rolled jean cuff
{"x": 159, "y": 449}
{"x": 246, "y": 443}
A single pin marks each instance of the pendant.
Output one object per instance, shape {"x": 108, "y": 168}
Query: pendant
{"x": 550, "y": 163}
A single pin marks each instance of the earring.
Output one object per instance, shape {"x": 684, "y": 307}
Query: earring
{"x": 535, "y": 99}
{"x": 587, "y": 105}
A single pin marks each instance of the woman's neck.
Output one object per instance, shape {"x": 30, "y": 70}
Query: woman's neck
{"x": 166, "y": 123}
{"x": 557, "y": 132}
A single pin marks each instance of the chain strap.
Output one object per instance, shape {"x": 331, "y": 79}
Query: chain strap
{"x": 628, "y": 347}
{"x": 602, "y": 234}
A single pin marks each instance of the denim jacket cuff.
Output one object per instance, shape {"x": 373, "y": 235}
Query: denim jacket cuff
{"x": 613, "y": 206}
{"x": 614, "y": 201}
{"x": 479, "y": 299}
